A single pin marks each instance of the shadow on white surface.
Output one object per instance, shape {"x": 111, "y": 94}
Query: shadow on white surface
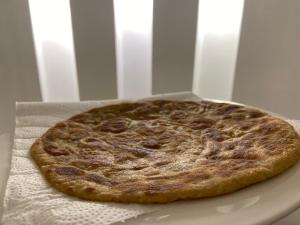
{"x": 5, "y": 146}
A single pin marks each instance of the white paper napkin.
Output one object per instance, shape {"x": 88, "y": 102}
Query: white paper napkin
{"x": 29, "y": 200}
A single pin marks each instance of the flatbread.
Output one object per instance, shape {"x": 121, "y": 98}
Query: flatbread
{"x": 161, "y": 151}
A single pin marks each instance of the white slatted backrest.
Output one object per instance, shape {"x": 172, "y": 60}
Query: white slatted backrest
{"x": 215, "y": 54}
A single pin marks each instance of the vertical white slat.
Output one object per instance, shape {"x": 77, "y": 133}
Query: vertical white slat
{"x": 174, "y": 33}
{"x": 217, "y": 40}
{"x": 94, "y": 37}
{"x": 53, "y": 41}
{"x": 133, "y": 29}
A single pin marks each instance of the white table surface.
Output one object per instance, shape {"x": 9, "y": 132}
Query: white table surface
{"x": 6, "y": 139}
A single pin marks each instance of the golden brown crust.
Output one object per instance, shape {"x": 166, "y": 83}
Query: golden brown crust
{"x": 162, "y": 151}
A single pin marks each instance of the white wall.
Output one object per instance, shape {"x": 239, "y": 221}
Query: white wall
{"x": 268, "y": 66}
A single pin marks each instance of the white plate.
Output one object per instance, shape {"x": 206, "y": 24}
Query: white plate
{"x": 259, "y": 204}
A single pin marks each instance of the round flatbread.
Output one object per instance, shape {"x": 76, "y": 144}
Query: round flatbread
{"x": 162, "y": 151}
